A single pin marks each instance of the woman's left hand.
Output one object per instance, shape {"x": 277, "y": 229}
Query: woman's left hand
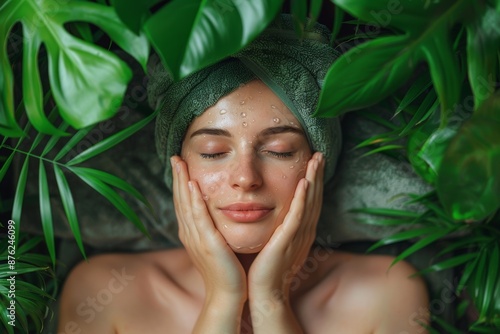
{"x": 283, "y": 256}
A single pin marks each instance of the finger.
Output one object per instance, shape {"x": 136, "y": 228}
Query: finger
{"x": 183, "y": 195}
{"x": 314, "y": 174}
{"x": 200, "y": 212}
{"x": 292, "y": 221}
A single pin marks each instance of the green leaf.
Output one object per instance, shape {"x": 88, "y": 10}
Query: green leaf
{"x": 478, "y": 280}
{"x": 432, "y": 237}
{"x": 483, "y": 40}
{"x": 468, "y": 182}
{"x": 377, "y": 139}
{"x": 53, "y": 140}
{"x": 450, "y": 263}
{"x": 46, "y": 212}
{"x": 387, "y": 212}
{"x": 384, "y": 64}
{"x": 106, "y": 18}
{"x": 445, "y": 71}
{"x": 19, "y": 195}
{"x": 6, "y": 165}
{"x": 426, "y": 147}
{"x": 111, "y": 141}
{"x": 113, "y": 181}
{"x": 405, "y": 15}
{"x": 428, "y": 106}
{"x": 421, "y": 85}
{"x": 27, "y": 245}
{"x": 69, "y": 207}
{"x": 466, "y": 242}
{"x": 449, "y": 328}
{"x": 88, "y": 82}
{"x": 134, "y": 13}
{"x": 406, "y": 235}
{"x": 77, "y": 137}
{"x": 314, "y": 11}
{"x": 192, "y": 34}
{"x": 383, "y": 149}
{"x": 32, "y": 87}
{"x": 380, "y": 66}
{"x": 337, "y": 23}
{"x": 466, "y": 274}
{"x": 112, "y": 196}
{"x": 492, "y": 279}
{"x": 299, "y": 13}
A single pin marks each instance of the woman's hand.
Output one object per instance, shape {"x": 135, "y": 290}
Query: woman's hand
{"x": 286, "y": 251}
{"x": 270, "y": 275}
{"x": 222, "y": 273}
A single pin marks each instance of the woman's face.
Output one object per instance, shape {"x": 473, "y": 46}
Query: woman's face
{"x": 247, "y": 154}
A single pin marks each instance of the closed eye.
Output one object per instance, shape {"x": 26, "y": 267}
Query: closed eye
{"x": 281, "y": 154}
{"x": 210, "y": 155}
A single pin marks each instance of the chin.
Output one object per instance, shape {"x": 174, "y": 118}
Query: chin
{"x": 246, "y": 239}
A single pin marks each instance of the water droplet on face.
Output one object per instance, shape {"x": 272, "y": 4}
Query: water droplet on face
{"x": 242, "y": 102}
{"x": 245, "y": 124}
{"x": 283, "y": 176}
{"x": 209, "y": 122}
{"x": 225, "y": 226}
{"x": 292, "y": 167}
{"x": 211, "y": 189}
{"x": 292, "y": 123}
{"x": 273, "y": 106}
{"x": 223, "y": 111}
{"x": 205, "y": 197}
{"x": 243, "y": 114}
{"x": 276, "y": 120}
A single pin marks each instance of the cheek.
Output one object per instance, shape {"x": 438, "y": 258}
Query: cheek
{"x": 296, "y": 169}
{"x": 210, "y": 181}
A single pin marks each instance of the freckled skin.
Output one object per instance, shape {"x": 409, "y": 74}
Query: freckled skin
{"x": 247, "y": 170}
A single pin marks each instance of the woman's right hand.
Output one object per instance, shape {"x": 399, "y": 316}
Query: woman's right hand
{"x": 222, "y": 273}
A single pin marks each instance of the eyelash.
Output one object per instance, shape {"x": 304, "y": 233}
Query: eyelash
{"x": 210, "y": 155}
{"x": 281, "y": 155}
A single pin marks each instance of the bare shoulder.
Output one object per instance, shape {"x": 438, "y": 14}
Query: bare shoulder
{"x": 100, "y": 290}
{"x": 387, "y": 299}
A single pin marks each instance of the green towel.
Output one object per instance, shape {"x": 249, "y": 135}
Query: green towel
{"x": 293, "y": 68}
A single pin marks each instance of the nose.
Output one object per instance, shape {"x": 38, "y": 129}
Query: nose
{"x": 246, "y": 173}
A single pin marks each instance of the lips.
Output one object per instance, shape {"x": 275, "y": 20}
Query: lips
{"x": 246, "y": 212}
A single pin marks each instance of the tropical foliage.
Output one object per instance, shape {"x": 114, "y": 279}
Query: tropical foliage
{"x": 436, "y": 64}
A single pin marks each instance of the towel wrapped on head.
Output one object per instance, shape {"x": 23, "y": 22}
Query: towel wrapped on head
{"x": 291, "y": 67}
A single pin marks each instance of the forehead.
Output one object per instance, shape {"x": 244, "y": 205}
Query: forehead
{"x": 251, "y": 106}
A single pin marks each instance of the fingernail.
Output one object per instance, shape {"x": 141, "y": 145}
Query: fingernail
{"x": 177, "y": 167}
{"x": 320, "y": 156}
{"x": 306, "y": 184}
{"x": 172, "y": 162}
{"x": 315, "y": 165}
{"x": 190, "y": 186}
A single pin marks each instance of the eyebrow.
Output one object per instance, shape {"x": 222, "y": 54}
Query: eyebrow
{"x": 264, "y": 133}
{"x": 211, "y": 131}
{"x": 281, "y": 129}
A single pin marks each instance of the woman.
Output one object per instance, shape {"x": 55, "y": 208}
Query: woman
{"x": 247, "y": 169}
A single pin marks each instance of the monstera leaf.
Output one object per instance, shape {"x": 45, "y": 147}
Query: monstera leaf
{"x": 373, "y": 70}
{"x": 192, "y": 34}
{"x": 87, "y": 81}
